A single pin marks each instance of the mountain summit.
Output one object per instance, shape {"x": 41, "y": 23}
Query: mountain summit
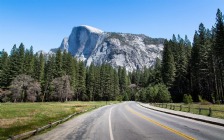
{"x": 132, "y": 51}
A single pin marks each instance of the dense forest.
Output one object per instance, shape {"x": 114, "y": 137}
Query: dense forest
{"x": 187, "y": 69}
{"x": 197, "y": 70}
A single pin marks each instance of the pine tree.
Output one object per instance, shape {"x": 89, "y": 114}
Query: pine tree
{"x": 219, "y": 37}
{"x": 21, "y": 58}
{"x": 201, "y": 65}
{"x": 14, "y": 65}
{"x": 205, "y": 64}
{"x": 97, "y": 84}
{"x": 181, "y": 81}
{"x": 74, "y": 74}
{"x": 102, "y": 81}
{"x": 107, "y": 88}
{"x": 49, "y": 75}
{"x": 218, "y": 49}
{"x": 58, "y": 62}
{"x": 123, "y": 81}
{"x": 90, "y": 80}
{"x": 115, "y": 85}
{"x": 65, "y": 63}
{"x": 29, "y": 62}
{"x": 81, "y": 77}
{"x": 195, "y": 67}
{"x": 168, "y": 66}
{"x": 39, "y": 67}
{"x": 4, "y": 69}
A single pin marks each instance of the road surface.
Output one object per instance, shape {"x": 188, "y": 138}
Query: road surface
{"x": 129, "y": 121}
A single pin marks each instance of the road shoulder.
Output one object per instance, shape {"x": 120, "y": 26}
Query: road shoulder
{"x": 201, "y": 118}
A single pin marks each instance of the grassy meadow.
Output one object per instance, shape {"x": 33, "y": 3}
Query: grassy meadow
{"x": 17, "y": 118}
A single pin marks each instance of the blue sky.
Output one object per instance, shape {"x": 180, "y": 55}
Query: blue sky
{"x": 44, "y": 23}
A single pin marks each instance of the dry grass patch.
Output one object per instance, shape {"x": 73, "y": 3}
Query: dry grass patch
{"x": 6, "y": 123}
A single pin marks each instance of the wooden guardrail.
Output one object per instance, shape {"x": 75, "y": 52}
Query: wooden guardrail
{"x": 187, "y": 108}
{"x": 38, "y": 130}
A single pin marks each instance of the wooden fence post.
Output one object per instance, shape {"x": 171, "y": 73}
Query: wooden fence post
{"x": 50, "y": 124}
{"x": 210, "y": 112}
{"x": 37, "y": 131}
{"x": 180, "y": 107}
{"x": 199, "y": 110}
{"x": 189, "y": 109}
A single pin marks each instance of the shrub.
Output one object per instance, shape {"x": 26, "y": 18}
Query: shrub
{"x": 125, "y": 98}
{"x": 158, "y": 93}
{"x": 163, "y": 94}
{"x": 187, "y": 99}
{"x": 202, "y": 101}
{"x": 200, "y": 98}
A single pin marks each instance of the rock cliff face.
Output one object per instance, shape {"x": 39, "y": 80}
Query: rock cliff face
{"x": 132, "y": 51}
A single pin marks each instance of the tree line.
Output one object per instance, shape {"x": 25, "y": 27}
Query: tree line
{"x": 196, "y": 71}
{"x": 26, "y": 76}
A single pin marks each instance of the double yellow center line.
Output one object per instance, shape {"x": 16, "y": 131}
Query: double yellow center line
{"x": 159, "y": 124}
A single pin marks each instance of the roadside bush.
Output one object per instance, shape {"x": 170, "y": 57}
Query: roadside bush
{"x": 202, "y": 101}
{"x": 156, "y": 93}
{"x": 125, "y": 98}
{"x": 142, "y": 95}
{"x": 187, "y": 99}
{"x": 163, "y": 94}
{"x": 119, "y": 98}
{"x": 151, "y": 93}
{"x": 200, "y": 98}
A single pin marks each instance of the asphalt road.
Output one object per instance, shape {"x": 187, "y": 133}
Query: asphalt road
{"x": 129, "y": 121}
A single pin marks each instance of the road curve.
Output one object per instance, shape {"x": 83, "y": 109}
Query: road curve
{"x": 129, "y": 121}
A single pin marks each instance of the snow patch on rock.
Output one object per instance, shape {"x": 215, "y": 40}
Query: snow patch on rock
{"x": 92, "y": 29}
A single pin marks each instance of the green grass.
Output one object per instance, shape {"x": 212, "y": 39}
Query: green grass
{"x": 17, "y": 118}
{"x": 194, "y": 109}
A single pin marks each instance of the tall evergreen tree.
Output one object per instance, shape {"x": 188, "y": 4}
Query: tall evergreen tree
{"x": 29, "y": 62}
{"x": 195, "y": 67}
{"x": 4, "y": 69}
{"x": 14, "y": 63}
{"x": 81, "y": 77}
{"x": 168, "y": 66}
{"x": 115, "y": 84}
{"x": 58, "y": 63}
{"x": 218, "y": 49}
{"x": 49, "y": 75}
{"x": 21, "y": 58}
{"x": 123, "y": 81}
{"x": 39, "y": 67}
{"x": 181, "y": 81}
{"x": 90, "y": 78}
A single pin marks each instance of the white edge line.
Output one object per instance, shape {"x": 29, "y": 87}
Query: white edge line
{"x": 110, "y": 128}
